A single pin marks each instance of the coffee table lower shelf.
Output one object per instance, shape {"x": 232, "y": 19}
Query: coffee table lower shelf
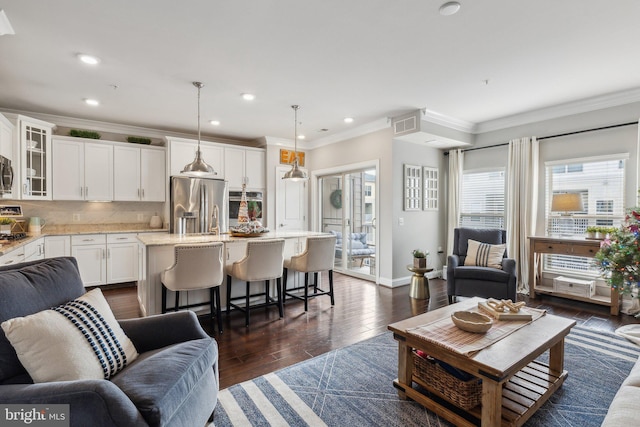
{"x": 522, "y": 395}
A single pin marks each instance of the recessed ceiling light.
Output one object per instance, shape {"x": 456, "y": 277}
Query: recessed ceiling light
{"x": 348, "y": 119}
{"x": 248, "y": 96}
{"x": 300, "y": 136}
{"x": 449, "y": 8}
{"x": 215, "y": 122}
{"x": 92, "y": 102}
{"x": 88, "y": 59}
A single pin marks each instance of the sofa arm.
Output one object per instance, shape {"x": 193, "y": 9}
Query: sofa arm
{"x": 161, "y": 330}
{"x": 98, "y": 403}
{"x": 452, "y": 263}
{"x": 509, "y": 266}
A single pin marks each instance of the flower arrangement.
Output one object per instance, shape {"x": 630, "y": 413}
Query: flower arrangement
{"x": 619, "y": 255}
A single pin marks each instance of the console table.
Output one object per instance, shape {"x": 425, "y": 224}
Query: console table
{"x": 566, "y": 246}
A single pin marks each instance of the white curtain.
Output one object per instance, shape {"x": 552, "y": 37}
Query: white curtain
{"x": 522, "y": 204}
{"x": 456, "y": 164}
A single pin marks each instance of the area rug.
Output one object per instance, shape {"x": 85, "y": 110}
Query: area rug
{"x": 352, "y": 386}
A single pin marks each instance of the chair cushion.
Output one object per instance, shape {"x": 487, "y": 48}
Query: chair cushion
{"x": 481, "y": 273}
{"x": 484, "y": 254}
{"x": 160, "y": 381}
{"x": 81, "y": 337}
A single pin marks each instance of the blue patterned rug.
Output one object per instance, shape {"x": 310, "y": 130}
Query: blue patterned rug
{"x": 353, "y": 387}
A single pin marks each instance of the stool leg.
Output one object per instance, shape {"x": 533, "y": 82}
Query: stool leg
{"x": 306, "y": 291}
{"x": 177, "y": 300}
{"x": 331, "y": 286}
{"x": 218, "y": 309}
{"x": 228, "y": 295}
{"x": 267, "y": 295}
{"x": 285, "y": 271}
{"x": 280, "y": 304}
{"x": 164, "y": 299}
{"x": 246, "y": 307}
{"x": 212, "y": 305}
{"x": 315, "y": 282}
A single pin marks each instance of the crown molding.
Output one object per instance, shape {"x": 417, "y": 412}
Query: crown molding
{"x": 351, "y": 133}
{"x": 561, "y": 110}
{"x": 447, "y": 121}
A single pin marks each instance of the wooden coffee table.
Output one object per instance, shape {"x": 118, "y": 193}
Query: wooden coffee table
{"x": 514, "y": 386}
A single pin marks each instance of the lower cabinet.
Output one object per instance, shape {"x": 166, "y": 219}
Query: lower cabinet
{"x": 56, "y": 246}
{"x": 34, "y": 250}
{"x": 106, "y": 259}
{"x": 14, "y": 257}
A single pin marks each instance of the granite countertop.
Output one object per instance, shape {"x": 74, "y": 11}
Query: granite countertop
{"x": 64, "y": 230}
{"x": 162, "y": 239}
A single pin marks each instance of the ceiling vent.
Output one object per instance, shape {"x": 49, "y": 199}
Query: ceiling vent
{"x": 406, "y": 124}
{"x": 412, "y": 127}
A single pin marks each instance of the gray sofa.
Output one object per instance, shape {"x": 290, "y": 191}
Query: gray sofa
{"x": 173, "y": 382}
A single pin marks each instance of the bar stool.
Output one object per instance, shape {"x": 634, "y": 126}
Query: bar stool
{"x": 196, "y": 266}
{"x": 263, "y": 261}
{"x": 317, "y": 257}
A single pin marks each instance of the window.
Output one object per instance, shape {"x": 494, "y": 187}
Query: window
{"x": 367, "y": 190}
{"x": 601, "y": 184}
{"x": 482, "y": 199}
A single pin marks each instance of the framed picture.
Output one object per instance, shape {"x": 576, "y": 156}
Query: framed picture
{"x": 412, "y": 188}
{"x": 430, "y": 188}
{"x": 10, "y": 210}
{"x": 287, "y": 156}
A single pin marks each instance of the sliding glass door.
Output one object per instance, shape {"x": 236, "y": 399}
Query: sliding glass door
{"x": 347, "y": 207}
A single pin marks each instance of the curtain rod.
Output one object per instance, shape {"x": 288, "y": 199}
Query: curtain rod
{"x": 554, "y": 136}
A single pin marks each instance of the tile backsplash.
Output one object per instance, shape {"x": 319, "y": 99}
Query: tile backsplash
{"x": 76, "y": 213}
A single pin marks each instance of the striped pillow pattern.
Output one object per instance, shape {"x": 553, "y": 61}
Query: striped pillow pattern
{"x": 484, "y": 255}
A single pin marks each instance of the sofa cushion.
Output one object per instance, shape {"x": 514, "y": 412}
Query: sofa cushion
{"x": 484, "y": 254}
{"x": 161, "y": 380}
{"x": 82, "y": 337}
{"x": 29, "y": 288}
{"x": 481, "y": 273}
{"x": 624, "y": 408}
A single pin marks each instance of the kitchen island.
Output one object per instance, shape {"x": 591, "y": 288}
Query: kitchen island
{"x": 158, "y": 253}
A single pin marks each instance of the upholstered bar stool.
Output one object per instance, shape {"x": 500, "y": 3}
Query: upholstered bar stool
{"x": 317, "y": 257}
{"x": 263, "y": 261}
{"x": 196, "y": 266}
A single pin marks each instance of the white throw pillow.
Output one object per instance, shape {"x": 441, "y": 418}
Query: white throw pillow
{"x": 77, "y": 340}
{"x": 484, "y": 254}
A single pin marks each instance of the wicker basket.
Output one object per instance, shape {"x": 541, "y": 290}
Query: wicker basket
{"x": 465, "y": 394}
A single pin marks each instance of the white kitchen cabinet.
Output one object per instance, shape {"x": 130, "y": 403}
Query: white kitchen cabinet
{"x": 183, "y": 151}
{"x": 140, "y": 174}
{"x": 55, "y": 246}
{"x": 34, "y": 250}
{"x": 33, "y": 141}
{"x": 13, "y": 257}
{"x": 82, "y": 170}
{"x": 122, "y": 258}
{"x": 244, "y": 166}
{"x": 6, "y": 138}
{"x": 90, "y": 250}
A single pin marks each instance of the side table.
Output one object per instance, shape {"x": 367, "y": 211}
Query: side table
{"x": 419, "y": 287}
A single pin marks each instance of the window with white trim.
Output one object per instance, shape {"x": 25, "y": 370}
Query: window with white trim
{"x": 482, "y": 199}
{"x": 601, "y": 184}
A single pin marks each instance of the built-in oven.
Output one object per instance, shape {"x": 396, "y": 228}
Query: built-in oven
{"x": 254, "y": 205}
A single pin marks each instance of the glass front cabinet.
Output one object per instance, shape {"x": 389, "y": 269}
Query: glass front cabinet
{"x": 34, "y": 145}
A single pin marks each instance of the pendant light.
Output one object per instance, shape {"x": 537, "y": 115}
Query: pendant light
{"x": 198, "y": 167}
{"x": 295, "y": 174}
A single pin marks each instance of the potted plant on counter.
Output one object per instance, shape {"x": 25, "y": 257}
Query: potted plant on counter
{"x": 420, "y": 258}
{"x": 6, "y": 224}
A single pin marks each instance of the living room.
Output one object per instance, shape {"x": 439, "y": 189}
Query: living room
{"x": 465, "y": 91}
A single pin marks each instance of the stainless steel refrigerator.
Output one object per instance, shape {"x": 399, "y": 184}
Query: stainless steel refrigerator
{"x": 198, "y": 205}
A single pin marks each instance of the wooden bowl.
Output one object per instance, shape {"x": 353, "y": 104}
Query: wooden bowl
{"x": 471, "y": 321}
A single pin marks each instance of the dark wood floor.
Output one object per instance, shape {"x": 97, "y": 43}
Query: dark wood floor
{"x": 362, "y": 310}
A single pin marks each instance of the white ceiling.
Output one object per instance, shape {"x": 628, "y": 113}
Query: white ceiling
{"x": 367, "y": 59}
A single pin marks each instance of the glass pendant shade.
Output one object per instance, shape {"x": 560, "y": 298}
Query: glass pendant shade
{"x": 198, "y": 167}
{"x": 295, "y": 174}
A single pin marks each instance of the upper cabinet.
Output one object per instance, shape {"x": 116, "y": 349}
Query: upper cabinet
{"x": 140, "y": 174}
{"x": 6, "y": 138}
{"x": 82, "y": 170}
{"x": 33, "y": 143}
{"x": 244, "y": 166}
{"x": 183, "y": 151}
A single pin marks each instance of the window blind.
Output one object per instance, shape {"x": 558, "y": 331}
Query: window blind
{"x": 482, "y": 199}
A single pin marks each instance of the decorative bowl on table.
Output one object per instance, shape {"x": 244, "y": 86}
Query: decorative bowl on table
{"x": 471, "y": 321}
{"x": 248, "y": 229}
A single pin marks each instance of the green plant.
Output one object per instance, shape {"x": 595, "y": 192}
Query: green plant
{"x": 84, "y": 134}
{"x": 5, "y": 221}
{"x": 138, "y": 140}
{"x": 592, "y": 229}
{"x": 419, "y": 253}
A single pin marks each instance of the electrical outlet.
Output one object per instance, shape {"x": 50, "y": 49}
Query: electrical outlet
{"x": 400, "y": 221}
{"x": 76, "y": 217}
{"x": 140, "y": 217}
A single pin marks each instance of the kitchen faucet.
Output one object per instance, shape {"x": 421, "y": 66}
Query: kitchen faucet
{"x": 215, "y": 220}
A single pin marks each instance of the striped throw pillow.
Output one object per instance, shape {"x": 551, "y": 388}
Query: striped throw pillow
{"x": 484, "y": 255}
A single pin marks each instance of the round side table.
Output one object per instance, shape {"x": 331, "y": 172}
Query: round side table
{"x": 419, "y": 287}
